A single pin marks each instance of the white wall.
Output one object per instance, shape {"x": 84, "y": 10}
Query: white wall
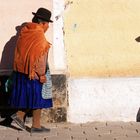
{"x": 109, "y": 99}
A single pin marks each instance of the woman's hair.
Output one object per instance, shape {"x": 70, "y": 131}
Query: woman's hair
{"x": 37, "y": 20}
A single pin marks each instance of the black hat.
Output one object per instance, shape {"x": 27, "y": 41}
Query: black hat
{"x": 43, "y": 14}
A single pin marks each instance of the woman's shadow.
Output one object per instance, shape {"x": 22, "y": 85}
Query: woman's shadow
{"x": 7, "y": 58}
{"x": 6, "y": 67}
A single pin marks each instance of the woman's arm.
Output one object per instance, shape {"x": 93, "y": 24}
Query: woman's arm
{"x": 40, "y": 68}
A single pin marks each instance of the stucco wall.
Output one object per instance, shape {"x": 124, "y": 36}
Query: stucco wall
{"x": 104, "y": 99}
{"x": 103, "y": 59}
{"x": 100, "y": 38}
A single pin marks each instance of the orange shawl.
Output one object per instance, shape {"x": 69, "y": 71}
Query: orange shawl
{"x": 31, "y": 45}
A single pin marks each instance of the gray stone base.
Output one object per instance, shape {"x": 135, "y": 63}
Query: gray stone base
{"x": 59, "y": 111}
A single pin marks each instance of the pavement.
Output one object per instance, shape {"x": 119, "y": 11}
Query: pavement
{"x": 69, "y": 131}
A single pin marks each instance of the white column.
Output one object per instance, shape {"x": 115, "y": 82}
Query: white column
{"x": 58, "y": 42}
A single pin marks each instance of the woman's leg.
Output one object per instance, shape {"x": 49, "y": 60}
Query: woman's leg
{"x": 36, "y": 118}
{"x": 21, "y": 114}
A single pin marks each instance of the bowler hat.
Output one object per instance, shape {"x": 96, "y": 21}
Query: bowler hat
{"x": 43, "y": 14}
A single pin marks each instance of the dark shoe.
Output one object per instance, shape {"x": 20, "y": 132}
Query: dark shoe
{"x": 39, "y": 130}
{"x": 18, "y": 121}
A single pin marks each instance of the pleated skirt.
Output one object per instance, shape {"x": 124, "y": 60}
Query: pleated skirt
{"x": 27, "y": 94}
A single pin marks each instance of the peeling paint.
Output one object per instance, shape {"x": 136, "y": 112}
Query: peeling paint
{"x": 74, "y": 27}
{"x": 66, "y": 6}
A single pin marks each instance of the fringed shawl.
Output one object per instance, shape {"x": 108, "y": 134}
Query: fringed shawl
{"x": 31, "y": 45}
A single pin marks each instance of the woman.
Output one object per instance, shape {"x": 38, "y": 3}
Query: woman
{"x": 30, "y": 66}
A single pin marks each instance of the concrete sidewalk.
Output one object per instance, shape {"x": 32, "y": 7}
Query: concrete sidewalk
{"x": 68, "y": 131}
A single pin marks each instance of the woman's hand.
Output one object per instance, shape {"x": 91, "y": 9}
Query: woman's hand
{"x": 43, "y": 79}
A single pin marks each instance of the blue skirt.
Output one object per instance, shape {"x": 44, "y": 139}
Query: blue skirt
{"x": 26, "y": 93}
